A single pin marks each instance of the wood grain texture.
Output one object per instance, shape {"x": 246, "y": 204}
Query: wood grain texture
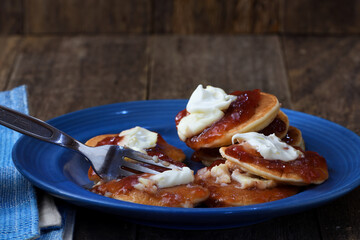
{"x": 151, "y": 16}
{"x": 179, "y": 16}
{"x": 76, "y": 73}
{"x": 289, "y": 227}
{"x": 93, "y": 225}
{"x": 321, "y": 17}
{"x": 179, "y": 64}
{"x": 324, "y": 80}
{"x": 213, "y": 16}
{"x": 91, "y": 16}
{"x": 9, "y": 49}
{"x": 324, "y": 77}
{"x": 11, "y": 17}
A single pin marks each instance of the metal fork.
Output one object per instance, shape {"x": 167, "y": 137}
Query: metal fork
{"x": 108, "y": 161}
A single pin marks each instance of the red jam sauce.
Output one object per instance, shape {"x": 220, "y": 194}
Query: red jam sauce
{"x": 311, "y": 167}
{"x": 180, "y": 115}
{"x": 204, "y": 154}
{"x": 117, "y": 187}
{"x": 291, "y": 136}
{"x": 276, "y": 126}
{"x": 172, "y": 197}
{"x": 109, "y": 141}
{"x": 239, "y": 111}
{"x": 158, "y": 151}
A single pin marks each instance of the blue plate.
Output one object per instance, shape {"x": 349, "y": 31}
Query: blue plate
{"x": 62, "y": 173}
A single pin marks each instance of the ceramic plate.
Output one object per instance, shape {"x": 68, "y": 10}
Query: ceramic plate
{"x": 62, "y": 172}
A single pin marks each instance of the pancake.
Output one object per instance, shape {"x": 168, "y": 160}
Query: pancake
{"x": 94, "y": 141}
{"x": 206, "y": 156}
{"x": 311, "y": 168}
{"x": 172, "y": 152}
{"x": 163, "y": 150}
{"x": 294, "y": 138}
{"x": 127, "y": 189}
{"x": 218, "y": 135}
{"x": 231, "y": 193}
{"x": 279, "y": 126}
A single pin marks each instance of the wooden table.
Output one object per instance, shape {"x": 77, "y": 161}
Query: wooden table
{"x": 315, "y": 75}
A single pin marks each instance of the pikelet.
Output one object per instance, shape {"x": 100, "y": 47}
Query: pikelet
{"x": 279, "y": 126}
{"x": 294, "y": 138}
{"x": 141, "y": 188}
{"x": 167, "y": 151}
{"x": 172, "y": 152}
{"x": 126, "y": 189}
{"x": 229, "y": 186}
{"x": 310, "y": 168}
{"x": 265, "y": 112}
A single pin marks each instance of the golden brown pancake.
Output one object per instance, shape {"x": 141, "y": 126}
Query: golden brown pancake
{"x": 162, "y": 149}
{"x": 265, "y": 112}
{"x": 309, "y": 169}
{"x": 186, "y": 195}
{"x": 279, "y": 126}
{"x": 127, "y": 189}
{"x": 234, "y": 193}
{"x": 206, "y": 156}
{"x": 294, "y": 138}
{"x": 172, "y": 152}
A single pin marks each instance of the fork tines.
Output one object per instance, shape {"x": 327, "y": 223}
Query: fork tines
{"x": 141, "y": 162}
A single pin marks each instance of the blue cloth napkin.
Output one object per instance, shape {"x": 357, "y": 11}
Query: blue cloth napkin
{"x": 19, "y": 215}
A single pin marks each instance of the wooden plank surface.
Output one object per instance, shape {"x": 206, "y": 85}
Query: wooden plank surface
{"x": 179, "y": 64}
{"x": 11, "y": 17}
{"x": 8, "y": 55}
{"x": 91, "y": 16}
{"x": 325, "y": 81}
{"x": 76, "y": 73}
{"x": 320, "y": 17}
{"x": 319, "y": 76}
{"x": 179, "y": 16}
{"x": 211, "y": 16}
{"x": 324, "y": 77}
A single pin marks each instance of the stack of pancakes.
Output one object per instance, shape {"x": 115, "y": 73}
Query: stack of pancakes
{"x": 125, "y": 189}
{"x": 267, "y": 119}
{"x": 236, "y": 174}
{"x": 243, "y": 177}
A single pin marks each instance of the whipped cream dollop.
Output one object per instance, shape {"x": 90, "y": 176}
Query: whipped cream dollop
{"x": 206, "y": 106}
{"x": 138, "y": 138}
{"x": 270, "y": 147}
{"x": 169, "y": 178}
{"x": 175, "y": 177}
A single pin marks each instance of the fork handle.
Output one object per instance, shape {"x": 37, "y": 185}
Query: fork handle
{"x": 36, "y": 128}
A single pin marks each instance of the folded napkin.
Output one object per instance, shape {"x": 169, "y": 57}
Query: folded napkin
{"x": 26, "y": 213}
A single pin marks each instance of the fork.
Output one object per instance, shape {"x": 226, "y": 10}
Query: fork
{"x": 108, "y": 161}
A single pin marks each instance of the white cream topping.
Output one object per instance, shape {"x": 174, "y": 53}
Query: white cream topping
{"x": 173, "y": 177}
{"x": 221, "y": 173}
{"x": 270, "y": 147}
{"x": 248, "y": 182}
{"x": 138, "y": 138}
{"x": 206, "y": 106}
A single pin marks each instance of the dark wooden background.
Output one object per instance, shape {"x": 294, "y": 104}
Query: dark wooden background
{"x": 75, "y": 54}
{"x": 315, "y": 75}
{"x": 179, "y": 16}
